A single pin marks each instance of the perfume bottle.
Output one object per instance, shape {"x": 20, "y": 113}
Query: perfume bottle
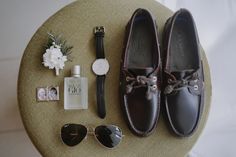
{"x": 75, "y": 90}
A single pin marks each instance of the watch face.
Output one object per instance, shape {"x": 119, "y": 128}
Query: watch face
{"x": 100, "y": 66}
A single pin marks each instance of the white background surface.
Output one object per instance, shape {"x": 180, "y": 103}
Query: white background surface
{"x": 216, "y": 23}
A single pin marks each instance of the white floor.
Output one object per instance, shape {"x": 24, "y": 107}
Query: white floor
{"x": 216, "y": 23}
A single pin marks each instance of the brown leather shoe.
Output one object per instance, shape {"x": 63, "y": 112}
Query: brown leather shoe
{"x": 140, "y": 74}
{"x": 183, "y": 74}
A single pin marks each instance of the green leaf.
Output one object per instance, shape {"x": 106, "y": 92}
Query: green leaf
{"x": 58, "y": 39}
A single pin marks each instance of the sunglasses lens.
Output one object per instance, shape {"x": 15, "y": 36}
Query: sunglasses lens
{"x": 73, "y": 134}
{"x": 109, "y": 136}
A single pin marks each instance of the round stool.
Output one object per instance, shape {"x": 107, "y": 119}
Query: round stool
{"x": 43, "y": 120}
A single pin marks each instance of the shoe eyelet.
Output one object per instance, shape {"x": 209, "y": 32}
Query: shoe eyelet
{"x": 154, "y": 79}
{"x": 154, "y": 87}
{"x": 195, "y": 87}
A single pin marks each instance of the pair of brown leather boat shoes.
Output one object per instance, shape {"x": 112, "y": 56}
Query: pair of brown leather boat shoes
{"x": 173, "y": 82}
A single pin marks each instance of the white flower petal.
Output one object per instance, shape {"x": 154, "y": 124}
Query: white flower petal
{"x": 53, "y": 58}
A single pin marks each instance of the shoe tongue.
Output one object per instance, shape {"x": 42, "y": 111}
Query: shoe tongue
{"x": 182, "y": 74}
{"x": 141, "y": 71}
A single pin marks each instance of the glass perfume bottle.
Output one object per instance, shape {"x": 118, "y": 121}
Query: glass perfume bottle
{"x": 75, "y": 90}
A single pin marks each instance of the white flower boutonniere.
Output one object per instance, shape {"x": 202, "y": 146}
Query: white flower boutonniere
{"x": 57, "y": 53}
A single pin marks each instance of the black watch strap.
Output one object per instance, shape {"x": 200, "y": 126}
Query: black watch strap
{"x": 99, "y": 33}
{"x": 100, "y": 96}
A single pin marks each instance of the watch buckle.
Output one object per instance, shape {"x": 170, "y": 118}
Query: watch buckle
{"x": 99, "y": 29}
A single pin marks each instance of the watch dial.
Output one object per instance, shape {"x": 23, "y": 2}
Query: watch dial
{"x": 100, "y": 67}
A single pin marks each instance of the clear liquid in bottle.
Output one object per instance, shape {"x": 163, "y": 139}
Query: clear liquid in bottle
{"x": 75, "y": 90}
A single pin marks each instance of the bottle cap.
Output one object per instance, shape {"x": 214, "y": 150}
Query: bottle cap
{"x": 75, "y": 71}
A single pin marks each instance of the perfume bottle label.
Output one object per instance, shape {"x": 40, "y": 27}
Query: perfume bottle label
{"x": 74, "y": 88}
{"x": 75, "y": 93}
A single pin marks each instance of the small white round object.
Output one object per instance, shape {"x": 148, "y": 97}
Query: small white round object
{"x": 100, "y": 67}
{"x": 195, "y": 87}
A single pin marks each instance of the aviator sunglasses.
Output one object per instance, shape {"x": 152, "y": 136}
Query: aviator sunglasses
{"x": 107, "y": 135}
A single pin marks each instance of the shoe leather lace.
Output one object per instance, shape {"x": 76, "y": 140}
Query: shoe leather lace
{"x": 142, "y": 81}
{"x": 176, "y": 85}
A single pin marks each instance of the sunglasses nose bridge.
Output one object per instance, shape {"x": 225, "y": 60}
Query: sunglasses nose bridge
{"x": 90, "y": 130}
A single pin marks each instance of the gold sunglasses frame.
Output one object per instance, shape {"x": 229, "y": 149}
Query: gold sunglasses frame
{"x": 91, "y": 132}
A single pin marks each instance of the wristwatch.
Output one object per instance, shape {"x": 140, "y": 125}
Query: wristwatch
{"x": 100, "y": 67}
